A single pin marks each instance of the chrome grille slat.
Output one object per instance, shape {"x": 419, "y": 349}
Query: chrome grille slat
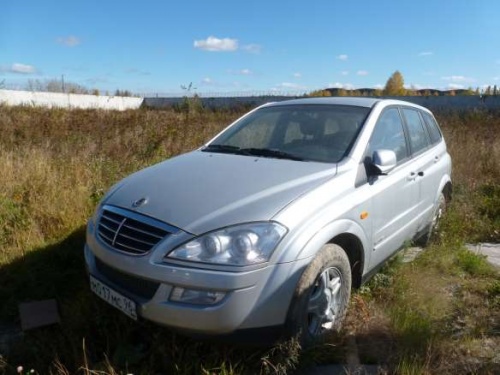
{"x": 137, "y": 240}
{"x": 106, "y": 227}
{"x": 129, "y": 248}
{"x": 110, "y": 219}
{"x": 105, "y": 237}
{"x": 142, "y": 231}
{"x": 129, "y": 232}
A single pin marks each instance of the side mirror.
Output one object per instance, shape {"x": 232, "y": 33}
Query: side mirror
{"x": 384, "y": 161}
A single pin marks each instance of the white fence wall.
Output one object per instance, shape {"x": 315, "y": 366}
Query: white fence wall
{"x": 51, "y": 99}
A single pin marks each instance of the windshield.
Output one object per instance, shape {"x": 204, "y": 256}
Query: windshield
{"x": 323, "y": 133}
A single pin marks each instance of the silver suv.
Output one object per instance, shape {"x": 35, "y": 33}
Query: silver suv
{"x": 271, "y": 223}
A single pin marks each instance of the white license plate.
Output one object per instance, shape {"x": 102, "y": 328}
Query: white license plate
{"x": 122, "y": 303}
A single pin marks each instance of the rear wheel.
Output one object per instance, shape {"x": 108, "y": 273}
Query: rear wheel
{"x": 322, "y": 296}
{"x": 437, "y": 215}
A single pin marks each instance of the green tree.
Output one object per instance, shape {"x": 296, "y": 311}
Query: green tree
{"x": 395, "y": 85}
{"x": 468, "y": 92}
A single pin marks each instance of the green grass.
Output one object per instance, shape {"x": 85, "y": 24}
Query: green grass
{"x": 435, "y": 315}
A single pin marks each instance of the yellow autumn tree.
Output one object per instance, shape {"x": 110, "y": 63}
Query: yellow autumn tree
{"x": 320, "y": 93}
{"x": 395, "y": 85}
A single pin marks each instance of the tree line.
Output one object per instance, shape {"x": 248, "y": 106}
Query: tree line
{"x": 395, "y": 87}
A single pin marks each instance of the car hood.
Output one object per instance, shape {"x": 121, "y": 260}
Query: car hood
{"x": 201, "y": 191}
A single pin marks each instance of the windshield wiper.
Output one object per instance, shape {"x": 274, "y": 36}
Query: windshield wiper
{"x": 223, "y": 148}
{"x": 271, "y": 153}
{"x": 265, "y": 152}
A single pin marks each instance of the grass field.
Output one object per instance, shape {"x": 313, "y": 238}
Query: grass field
{"x": 437, "y": 315}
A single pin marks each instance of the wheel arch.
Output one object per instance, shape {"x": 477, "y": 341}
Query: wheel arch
{"x": 446, "y": 188}
{"x": 351, "y": 237}
{"x": 448, "y": 191}
{"x": 353, "y": 247}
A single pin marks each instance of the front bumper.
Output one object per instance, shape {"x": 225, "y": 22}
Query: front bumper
{"x": 253, "y": 299}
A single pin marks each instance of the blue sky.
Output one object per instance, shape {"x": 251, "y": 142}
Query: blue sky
{"x": 230, "y": 46}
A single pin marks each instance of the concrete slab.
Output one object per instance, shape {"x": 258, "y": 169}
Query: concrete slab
{"x": 344, "y": 370}
{"x": 410, "y": 254}
{"x": 490, "y": 250}
{"x": 38, "y": 314}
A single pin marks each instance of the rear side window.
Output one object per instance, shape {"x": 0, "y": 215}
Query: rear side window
{"x": 416, "y": 131}
{"x": 433, "y": 128}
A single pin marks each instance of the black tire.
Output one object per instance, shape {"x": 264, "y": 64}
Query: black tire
{"x": 425, "y": 239}
{"x": 311, "y": 296}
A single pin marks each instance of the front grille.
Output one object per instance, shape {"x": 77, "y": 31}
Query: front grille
{"x": 140, "y": 287}
{"x": 135, "y": 236}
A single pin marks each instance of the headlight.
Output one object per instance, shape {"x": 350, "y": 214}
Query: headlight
{"x": 240, "y": 245}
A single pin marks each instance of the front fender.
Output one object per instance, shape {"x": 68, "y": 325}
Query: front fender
{"x": 330, "y": 231}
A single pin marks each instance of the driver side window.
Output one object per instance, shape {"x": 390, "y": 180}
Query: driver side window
{"x": 389, "y": 135}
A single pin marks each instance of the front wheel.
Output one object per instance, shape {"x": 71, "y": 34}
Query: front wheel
{"x": 321, "y": 297}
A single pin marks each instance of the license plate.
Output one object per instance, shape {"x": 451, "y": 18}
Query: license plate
{"x": 122, "y": 303}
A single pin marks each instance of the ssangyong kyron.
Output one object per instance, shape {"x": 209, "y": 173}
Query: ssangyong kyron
{"x": 271, "y": 223}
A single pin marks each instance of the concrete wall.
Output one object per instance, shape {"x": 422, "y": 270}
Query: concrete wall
{"x": 432, "y": 102}
{"x": 217, "y": 102}
{"x": 50, "y": 99}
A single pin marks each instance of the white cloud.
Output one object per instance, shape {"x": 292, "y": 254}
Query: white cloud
{"x": 297, "y": 75}
{"x": 207, "y": 81}
{"x": 455, "y": 86}
{"x": 415, "y": 86}
{"x": 426, "y": 53}
{"x": 342, "y": 57}
{"x": 362, "y": 73}
{"x": 137, "y": 71}
{"x": 69, "y": 41}
{"x": 252, "y": 48}
{"x": 379, "y": 86}
{"x": 458, "y": 79}
{"x": 214, "y": 44}
{"x": 496, "y": 78}
{"x": 19, "y": 69}
{"x": 240, "y": 85}
{"x": 241, "y": 72}
{"x": 345, "y": 72}
{"x": 291, "y": 86}
{"x": 338, "y": 85}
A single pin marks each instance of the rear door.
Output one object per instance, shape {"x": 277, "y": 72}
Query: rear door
{"x": 423, "y": 170}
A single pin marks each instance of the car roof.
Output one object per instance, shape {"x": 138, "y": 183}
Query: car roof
{"x": 359, "y": 102}
{"x": 342, "y": 100}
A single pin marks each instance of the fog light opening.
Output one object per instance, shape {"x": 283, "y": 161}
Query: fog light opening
{"x": 196, "y": 297}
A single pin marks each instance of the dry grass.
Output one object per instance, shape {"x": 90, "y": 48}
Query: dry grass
{"x": 440, "y": 314}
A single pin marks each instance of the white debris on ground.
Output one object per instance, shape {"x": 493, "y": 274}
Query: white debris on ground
{"x": 411, "y": 253}
{"x": 490, "y": 250}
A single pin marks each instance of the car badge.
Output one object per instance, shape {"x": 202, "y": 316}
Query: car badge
{"x": 140, "y": 202}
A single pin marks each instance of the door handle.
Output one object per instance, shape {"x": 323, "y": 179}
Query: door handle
{"x": 411, "y": 177}
{"x": 436, "y": 159}
{"x": 421, "y": 174}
